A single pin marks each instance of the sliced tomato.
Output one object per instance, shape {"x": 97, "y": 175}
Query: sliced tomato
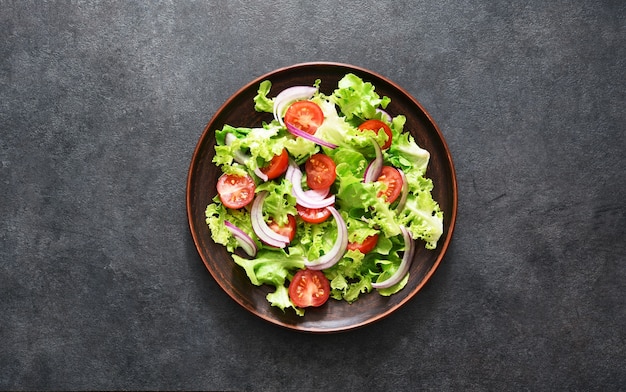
{"x": 376, "y": 125}
{"x": 313, "y": 215}
{"x": 288, "y": 230}
{"x": 392, "y": 178}
{"x": 309, "y": 288}
{"x": 320, "y": 171}
{"x": 305, "y": 115}
{"x": 235, "y": 191}
{"x": 366, "y": 246}
{"x": 277, "y": 166}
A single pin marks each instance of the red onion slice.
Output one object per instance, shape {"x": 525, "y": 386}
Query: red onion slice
{"x": 295, "y": 176}
{"x": 386, "y": 115}
{"x": 405, "y": 192}
{"x": 289, "y": 95}
{"x": 298, "y": 132}
{"x": 243, "y": 158}
{"x": 261, "y": 229}
{"x": 403, "y": 269}
{"x": 247, "y": 244}
{"x": 292, "y": 166}
{"x": 317, "y": 193}
{"x": 261, "y": 175}
{"x": 339, "y": 248}
{"x": 372, "y": 172}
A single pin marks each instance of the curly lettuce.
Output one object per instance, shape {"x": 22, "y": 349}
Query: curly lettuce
{"x": 365, "y": 214}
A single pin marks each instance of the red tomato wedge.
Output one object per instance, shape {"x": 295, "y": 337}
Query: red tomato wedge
{"x": 305, "y": 115}
{"x": 320, "y": 171}
{"x": 309, "y": 288}
{"x": 277, "y": 166}
{"x": 366, "y": 246}
{"x": 235, "y": 191}
{"x": 288, "y": 230}
{"x": 313, "y": 215}
{"x": 376, "y": 125}
{"x": 392, "y": 178}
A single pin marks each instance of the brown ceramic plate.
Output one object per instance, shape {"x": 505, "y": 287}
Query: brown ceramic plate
{"x": 334, "y": 316}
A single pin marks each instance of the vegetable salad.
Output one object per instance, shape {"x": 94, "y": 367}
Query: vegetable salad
{"x": 328, "y": 200}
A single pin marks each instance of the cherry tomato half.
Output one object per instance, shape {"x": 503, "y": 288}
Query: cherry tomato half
{"x": 391, "y": 177}
{"x": 309, "y": 288}
{"x": 235, "y": 191}
{"x": 366, "y": 246}
{"x": 277, "y": 166}
{"x": 320, "y": 171}
{"x": 376, "y": 125}
{"x": 305, "y": 115}
{"x": 288, "y": 230}
{"x": 313, "y": 215}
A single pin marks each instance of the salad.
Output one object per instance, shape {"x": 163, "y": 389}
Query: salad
{"x": 328, "y": 200}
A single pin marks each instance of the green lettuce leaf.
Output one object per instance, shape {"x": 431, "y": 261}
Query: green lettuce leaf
{"x": 280, "y": 299}
{"x": 270, "y": 266}
{"x": 216, "y": 214}
{"x": 279, "y": 202}
{"x": 357, "y": 98}
{"x": 405, "y": 154}
{"x": 273, "y": 267}
{"x": 261, "y": 102}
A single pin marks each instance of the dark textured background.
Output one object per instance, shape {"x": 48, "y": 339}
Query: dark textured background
{"x": 102, "y": 103}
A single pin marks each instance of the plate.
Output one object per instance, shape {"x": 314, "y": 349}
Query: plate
{"x": 334, "y": 316}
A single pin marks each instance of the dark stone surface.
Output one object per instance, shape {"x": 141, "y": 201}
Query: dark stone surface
{"x": 102, "y": 103}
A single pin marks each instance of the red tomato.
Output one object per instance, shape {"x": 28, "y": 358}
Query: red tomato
{"x": 391, "y": 177}
{"x": 320, "y": 171}
{"x": 376, "y": 125}
{"x": 288, "y": 230}
{"x": 235, "y": 191}
{"x": 313, "y": 215}
{"x": 309, "y": 288}
{"x": 277, "y": 166}
{"x": 305, "y": 115}
{"x": 366, "y": 246}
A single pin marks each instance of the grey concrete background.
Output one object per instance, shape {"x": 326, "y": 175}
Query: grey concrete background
{"x": 102, "y": 103}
